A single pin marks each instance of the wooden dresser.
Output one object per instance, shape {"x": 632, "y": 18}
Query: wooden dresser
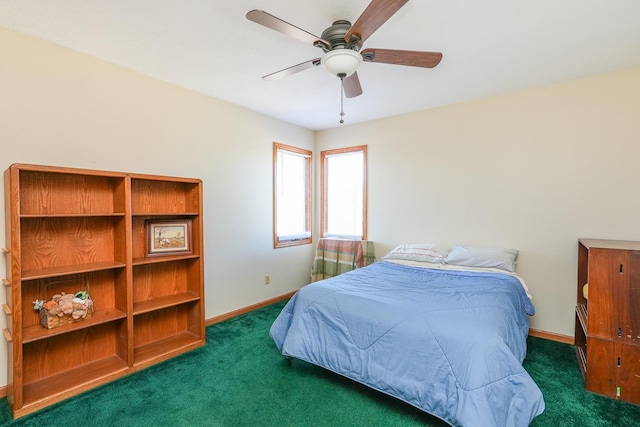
{"x": 607, "y": 330}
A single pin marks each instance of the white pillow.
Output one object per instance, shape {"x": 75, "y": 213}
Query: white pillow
{"x": 504, "y": 259}
{"x": 421, "y": 252}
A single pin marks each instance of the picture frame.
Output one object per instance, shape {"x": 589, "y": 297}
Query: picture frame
{"x": 168, "y": 237}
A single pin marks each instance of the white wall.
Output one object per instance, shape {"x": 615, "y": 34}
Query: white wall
{"x": 533, "y": 170}
{"x": 62, "y": 108}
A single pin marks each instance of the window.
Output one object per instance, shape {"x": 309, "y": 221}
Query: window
{"x": 292, "y": 196}
{"x": 344, "y": 192}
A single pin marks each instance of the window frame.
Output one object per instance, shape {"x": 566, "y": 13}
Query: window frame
{"x": 308, "y": 154}
{"x": 323, "y": 187}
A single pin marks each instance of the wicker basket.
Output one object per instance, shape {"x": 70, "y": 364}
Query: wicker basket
{"x": 51, "y": 321}
{"x": 51, "y": 311}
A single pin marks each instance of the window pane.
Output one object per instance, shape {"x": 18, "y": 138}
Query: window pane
{"x": 292, "y": 196}
{"x": 344, "y": 193}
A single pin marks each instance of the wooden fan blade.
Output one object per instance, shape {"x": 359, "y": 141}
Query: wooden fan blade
{"x": 376, "y": 14}
{"x": 402, "y": 57}
{"x": 352, "y": 86}
{"x": 292, "y": 70}
{"x": 263, "y": 18}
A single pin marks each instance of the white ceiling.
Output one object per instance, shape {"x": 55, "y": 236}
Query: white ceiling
{"x": 489, "y": 47}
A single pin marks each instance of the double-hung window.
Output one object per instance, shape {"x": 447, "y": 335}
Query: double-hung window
{"x": 292, "y": 195}
{"x": 344, "y": 192}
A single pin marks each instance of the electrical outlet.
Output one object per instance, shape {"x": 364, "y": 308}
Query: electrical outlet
{"x": 267, "y": 279}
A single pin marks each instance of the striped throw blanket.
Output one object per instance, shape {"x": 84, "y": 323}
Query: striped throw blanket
{"x": 337, "y": 256}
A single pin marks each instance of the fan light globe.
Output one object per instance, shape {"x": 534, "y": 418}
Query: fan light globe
{"x": 341, "y": 61}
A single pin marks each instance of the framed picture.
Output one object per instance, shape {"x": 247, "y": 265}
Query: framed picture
{"x": 169, "y": 237}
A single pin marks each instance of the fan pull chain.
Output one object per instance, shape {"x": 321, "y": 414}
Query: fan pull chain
{"x": 342, "y": 76}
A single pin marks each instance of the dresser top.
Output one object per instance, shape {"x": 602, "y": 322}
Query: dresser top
{"x": 611, "y": 244}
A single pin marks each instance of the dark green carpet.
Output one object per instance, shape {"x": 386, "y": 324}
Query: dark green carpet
{"x": 240, "y": 379}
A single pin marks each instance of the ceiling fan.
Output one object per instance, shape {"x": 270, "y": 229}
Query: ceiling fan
{"x": 341, "y": 44}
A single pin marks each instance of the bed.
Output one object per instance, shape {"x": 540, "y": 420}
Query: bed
{"x": 446, "y": 334}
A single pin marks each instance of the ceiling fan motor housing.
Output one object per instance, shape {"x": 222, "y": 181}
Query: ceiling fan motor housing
{"x": 335, "y": 35}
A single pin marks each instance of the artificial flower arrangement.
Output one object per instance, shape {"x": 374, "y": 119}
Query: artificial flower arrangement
{"x": 64, "y": 308}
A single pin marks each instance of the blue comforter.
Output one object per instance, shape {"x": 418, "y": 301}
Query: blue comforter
{"x": 448, "y": 342}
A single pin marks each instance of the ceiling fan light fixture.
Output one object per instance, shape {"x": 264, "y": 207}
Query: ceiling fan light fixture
{"x": 342, "y": 61}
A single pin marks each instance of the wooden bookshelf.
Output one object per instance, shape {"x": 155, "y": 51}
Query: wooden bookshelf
{"x": 76, "y": 229}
